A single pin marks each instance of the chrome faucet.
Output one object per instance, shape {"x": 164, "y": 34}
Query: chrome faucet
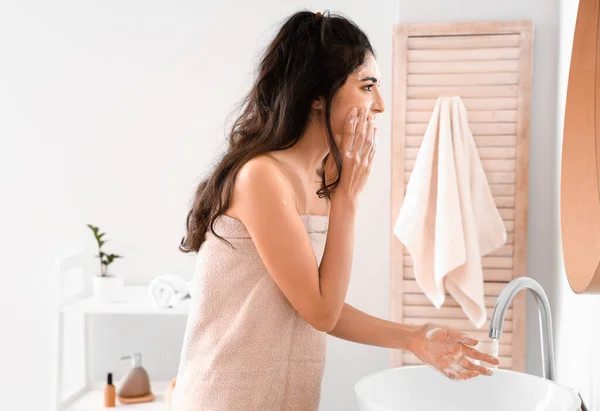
{"x": 505, "y": 298}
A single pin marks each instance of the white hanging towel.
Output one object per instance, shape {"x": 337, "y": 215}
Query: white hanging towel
{"x": 448, "y": 219}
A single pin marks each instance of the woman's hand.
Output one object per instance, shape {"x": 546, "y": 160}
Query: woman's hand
{"x": 449, "y": 351}
{"x": 357, "y": 145}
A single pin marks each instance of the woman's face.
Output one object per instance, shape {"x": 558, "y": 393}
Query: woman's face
{"x": 361, "y": 90}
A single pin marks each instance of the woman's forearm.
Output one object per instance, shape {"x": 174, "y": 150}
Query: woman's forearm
{"x": 336, "y": 264}
{"x": 359, "y": 327}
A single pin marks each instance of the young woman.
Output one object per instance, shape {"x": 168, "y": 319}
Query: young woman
{"x": 273, "y": 226}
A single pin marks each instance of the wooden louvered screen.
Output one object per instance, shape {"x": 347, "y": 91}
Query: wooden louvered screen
{"x": 489, "y": 66}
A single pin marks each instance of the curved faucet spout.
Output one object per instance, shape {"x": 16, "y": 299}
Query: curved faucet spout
{"x": 505, "y": 298}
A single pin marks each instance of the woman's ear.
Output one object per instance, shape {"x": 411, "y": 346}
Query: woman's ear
{"x": 318, "y": 104}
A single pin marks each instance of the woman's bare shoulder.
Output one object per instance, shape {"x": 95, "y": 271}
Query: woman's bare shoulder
{"x": 264, "y": 169}
{"x": 261, "y": 176}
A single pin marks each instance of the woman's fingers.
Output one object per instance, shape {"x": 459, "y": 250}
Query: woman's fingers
{"x": 358, "y": 140}
{"x": 466, "y": 363}
{"x": 470, "y": 374}
{"x": 478, "y": 355}
{"x": 458, "y": 372}
{"x": 367, "y": 139}
{"x": 348, "y": 140}
{"x": 375, "y": 138}
{"x": 373, "y": 146}
{"x": 361, "y": 129}
{"x": 461, "y": 337}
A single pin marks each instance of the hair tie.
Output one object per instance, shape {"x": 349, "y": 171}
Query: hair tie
{"x": 318, "y": 16}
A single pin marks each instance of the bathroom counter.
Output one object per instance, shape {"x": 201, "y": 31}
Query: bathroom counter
{"x": 93, "y": 400}
{"x": 136, "y": 300}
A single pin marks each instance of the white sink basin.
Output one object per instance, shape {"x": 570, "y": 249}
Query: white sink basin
{"x": 421, "y": 388}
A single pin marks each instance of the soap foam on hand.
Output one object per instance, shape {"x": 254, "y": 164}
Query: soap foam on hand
{"x": 445, "y": 350}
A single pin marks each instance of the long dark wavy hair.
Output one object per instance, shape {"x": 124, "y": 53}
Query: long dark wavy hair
{"x": 311, "y": 56}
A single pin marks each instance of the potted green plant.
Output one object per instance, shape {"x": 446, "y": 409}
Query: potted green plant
{"x": 107, "y": 287}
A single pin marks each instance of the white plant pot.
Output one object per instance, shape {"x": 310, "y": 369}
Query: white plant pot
{"x": 108, "y": 289}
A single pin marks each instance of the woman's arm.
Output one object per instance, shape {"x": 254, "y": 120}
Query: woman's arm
{"x": 360, "y": 327}
{"x": 265, "y": 201}
{"x": 431, "y": 343}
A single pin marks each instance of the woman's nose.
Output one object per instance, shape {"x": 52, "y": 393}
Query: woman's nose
{"x": 378, "y": 105}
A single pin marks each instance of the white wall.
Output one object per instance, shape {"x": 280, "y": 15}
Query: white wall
{"x": 578, "y": 331}
{"x": 111, "y": 113}
{"x": 543, "y": 170}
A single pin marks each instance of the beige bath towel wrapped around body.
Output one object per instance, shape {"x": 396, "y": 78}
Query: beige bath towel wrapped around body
{"x": 245, "y": 346}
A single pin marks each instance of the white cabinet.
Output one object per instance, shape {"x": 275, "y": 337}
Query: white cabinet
{"x": 136, "y": 300}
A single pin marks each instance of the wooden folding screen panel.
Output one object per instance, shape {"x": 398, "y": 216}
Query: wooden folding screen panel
{"x": 489, "y": 66}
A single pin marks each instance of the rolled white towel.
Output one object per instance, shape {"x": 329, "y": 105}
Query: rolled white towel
{"x": 169, "y": 290}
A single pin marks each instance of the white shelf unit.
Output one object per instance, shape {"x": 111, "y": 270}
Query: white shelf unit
{"x": 136, "y": 300}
